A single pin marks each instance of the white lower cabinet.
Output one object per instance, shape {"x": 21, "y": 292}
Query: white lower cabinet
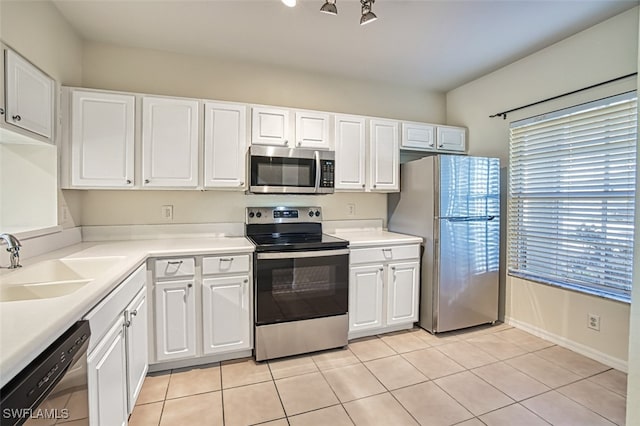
{"x": 137, "y": 338}
{"x": 107, "y": 377}
{"x": 226, "y": 317}
{"x": 383, "y": 296}
{"x": 117, "y": 360}
{"x": 175, "y": 319}
{"x": 206, "y": 312}
{"x": 365, "y": 297}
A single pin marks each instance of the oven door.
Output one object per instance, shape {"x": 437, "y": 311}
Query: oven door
{"x": 283, "y": 170}
{"x": 301, "y": 285}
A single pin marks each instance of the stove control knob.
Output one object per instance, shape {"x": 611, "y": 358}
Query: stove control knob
{"x": 317, "y": 213}
{"x": 258, "y": 214}
{"x": 251, "y": 214}
{"x": 310, "y": 213}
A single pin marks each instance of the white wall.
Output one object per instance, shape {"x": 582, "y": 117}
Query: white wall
{"x": 633, "y": 380}
{"x": 38, "y": 31}
{"x": 600, "y": 53}
{"x": 151, "y": 71}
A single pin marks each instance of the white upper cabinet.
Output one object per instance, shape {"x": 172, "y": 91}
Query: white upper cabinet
{"x": 169, "y": 142}
{"x": 351, "y": 145}
{"x": 451, "y": 138}
{"x": 312, "y": 130}
{"x": 418, "y": 136}
{"x": 384, "y": 158}
{"x": 225, "y": 145}
{"x": 270, "y": 126}
{"x": 102, "y": 139}
{"x": 29, "y": 96}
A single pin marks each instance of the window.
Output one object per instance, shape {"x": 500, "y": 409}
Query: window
{"x": 571, "y": 197}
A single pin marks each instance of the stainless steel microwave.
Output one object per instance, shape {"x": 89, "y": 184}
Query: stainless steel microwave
{"x": 276, "y": 170}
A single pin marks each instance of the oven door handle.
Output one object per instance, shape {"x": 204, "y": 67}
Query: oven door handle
{"x": 316, "y": 155}
{"x": 299, "y": 254}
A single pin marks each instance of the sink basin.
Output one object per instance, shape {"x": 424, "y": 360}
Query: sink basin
{"x": 61, "y": 270}
{"x": 40, "y": 291}
{"x": 53, "y": 278}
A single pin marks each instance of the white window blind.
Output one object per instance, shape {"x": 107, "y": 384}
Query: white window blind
{"x": 571, "y": 197}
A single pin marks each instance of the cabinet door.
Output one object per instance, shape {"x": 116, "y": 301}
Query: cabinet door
{"x": 102, "y": 138}
{"x": 350, "y": 153}
{"x": 137, "y": 346}
{"x": 365, "y": 297}
{"x": 402, "y": 292}
{"x": 225, "y": 145}
{"x": 226, "y": 314}
{"x": 270, "y": 126}
{"x": 312, "y": 130}
{"x": 175, "y": 320}
{"x": 30, "y": 95}
{"x": 107, "y": 379}
{"x": 418, "y": 136}
{"x": 169, "y": 142}
{"x": 384, "y": 160}
{"x": 452, "y": 138}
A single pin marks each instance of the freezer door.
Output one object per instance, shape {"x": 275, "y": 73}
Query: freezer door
{"x": 469, "y": 186}
{"x": 466, "y": 281}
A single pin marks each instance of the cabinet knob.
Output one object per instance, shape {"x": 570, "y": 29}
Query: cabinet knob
{"x": 16, "y": 118}
{"x": 147, "y": 181}
{"x": 134, "y": 312}
{"x": 189, "y": 285}
{"x": 299, "y": 143}
{"x": 240, "y": 183}
{"x": 381, "y": 269}
{"x": 1, "y": 111}
{"x": 374, "y": 185}
{"x": 128, "y": 181}
{"x": 286, "y": 142}
{"x": 246, "y": 281}
{"x": 363, "y": 185}
{"x": 441, "y": 146}
{"x": 393, "y": 268}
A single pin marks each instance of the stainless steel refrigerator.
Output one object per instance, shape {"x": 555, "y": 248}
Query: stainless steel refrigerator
{"x": 453, "y": 202}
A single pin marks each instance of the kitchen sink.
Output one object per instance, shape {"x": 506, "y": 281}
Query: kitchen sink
{"x": 53, "y": 278}
{"x": 46, "y": 290}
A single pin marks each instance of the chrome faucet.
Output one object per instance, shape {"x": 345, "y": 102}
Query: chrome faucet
{"x": 13, "y": 247}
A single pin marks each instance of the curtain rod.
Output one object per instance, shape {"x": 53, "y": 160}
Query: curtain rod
{"x": 503, "y": 114}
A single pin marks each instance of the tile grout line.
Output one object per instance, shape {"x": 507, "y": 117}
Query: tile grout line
{"x": 275, "y": 385}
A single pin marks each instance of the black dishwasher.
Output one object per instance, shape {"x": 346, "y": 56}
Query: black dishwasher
{"x": 52, "y": 389}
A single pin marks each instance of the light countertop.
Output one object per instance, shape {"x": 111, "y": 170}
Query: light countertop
{"x": 27, "y": 327}
{"x": 374, "y": 237}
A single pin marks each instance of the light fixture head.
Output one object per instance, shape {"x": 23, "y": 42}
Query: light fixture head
{"x": 329, "y": 7}
{"x": 290, "y": 3}
{"x": 367, "y": 15}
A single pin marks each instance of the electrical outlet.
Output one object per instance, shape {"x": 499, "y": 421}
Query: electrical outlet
{"x": 351, "y": 209}
{"x": 593, "y": 322}
{"x": 167, "y": 212}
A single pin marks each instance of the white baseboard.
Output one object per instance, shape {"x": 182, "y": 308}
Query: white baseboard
{"x": 613, "y": 362}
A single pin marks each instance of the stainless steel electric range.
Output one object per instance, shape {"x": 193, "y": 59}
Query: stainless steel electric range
{"x": 301, "y": 282}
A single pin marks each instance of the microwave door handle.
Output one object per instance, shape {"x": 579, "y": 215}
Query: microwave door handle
{"x": 316, "y": 155}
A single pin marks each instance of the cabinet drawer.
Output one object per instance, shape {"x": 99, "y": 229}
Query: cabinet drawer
{"x": 225, "y": 264}
{"x": 102, "y": 316}
{"x": 384, "y": 254}
{"x": 171, "y": 268}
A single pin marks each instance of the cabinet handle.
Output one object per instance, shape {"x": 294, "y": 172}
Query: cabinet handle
{"x": 175, "y": 262}
{"x": 16, "y": 118}
{"x": 127, "y": 323}
{"x": 226, "y": 259}
{"x": 147, "y": 181}
{"x": 128, "y": 181}
{"x": 1, "y": 111}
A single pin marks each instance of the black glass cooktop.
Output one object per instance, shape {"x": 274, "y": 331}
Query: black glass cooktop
{"x": 296, "y": 242}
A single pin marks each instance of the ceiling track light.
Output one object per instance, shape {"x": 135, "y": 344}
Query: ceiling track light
{"x": 367, "y": 15}
{"x": 329, "y": 7}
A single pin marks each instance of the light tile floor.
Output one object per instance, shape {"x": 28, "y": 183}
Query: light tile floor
{"x": 483, "y": 376}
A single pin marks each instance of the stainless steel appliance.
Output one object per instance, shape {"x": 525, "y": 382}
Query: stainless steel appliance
{"x": 301, "y": 282}
{"x": 276, "y": 170}
{"x": 453, "y": 202}
{"x": 52, "y": 389}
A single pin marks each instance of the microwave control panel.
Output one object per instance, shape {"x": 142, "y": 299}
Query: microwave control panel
{"x": 327, "y": 173}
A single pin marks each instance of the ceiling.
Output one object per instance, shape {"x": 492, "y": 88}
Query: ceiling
{"x": 430, "y": 44}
